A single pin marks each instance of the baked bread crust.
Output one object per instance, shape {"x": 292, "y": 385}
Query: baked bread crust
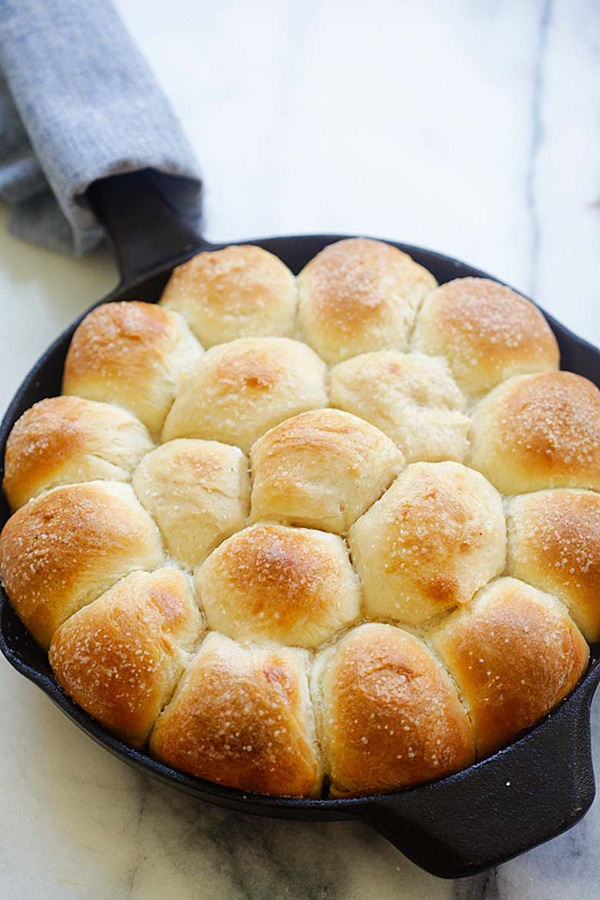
{"x": 538, "y": 431}
{"x": 486, "y": 331}
{"x": 359, "y": 295}
{"x": 241, "y": 291}
{"x": 242, "y": 716}
{"x": 64, "y": 549}
{"x": 244, "y": 387}
{"x": 389, "y": 713}
{"x": 554, "y": 544}
{"x": 514, "y": 654}
{"x": 435, "y": 537}
{"x": 136, "y": 639}
{"x": 321, "y": 469}
{"x": 134, "y": 354}
{"x": 322, "y": 616}
{"x": 68, "y": 440}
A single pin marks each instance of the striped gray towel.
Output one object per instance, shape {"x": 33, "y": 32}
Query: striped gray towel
{"x": 78, "y": 103}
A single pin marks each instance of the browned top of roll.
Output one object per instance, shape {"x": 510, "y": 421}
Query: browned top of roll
{"x": 236, "y": 292}
{"x": 64, "y": 440}
{"x": 358, "y": 295}
{"x": 133, "y": 354}
{"x": 389, "y": 713}
{"x": 120, "y": 656}
{"x": 241, "y": 716}
{"x": 272, "y": 583}
{"x": 435, "y": 537}
{"x": 242, "y": 388}
{"x": 66, "y": 547}
{"x": 554, "y": 544}
{"x": 539, "y": 431}
{"x": 514, "y": 654}
{"x": 486, "y": 331}
{"x": 321, "y": 469}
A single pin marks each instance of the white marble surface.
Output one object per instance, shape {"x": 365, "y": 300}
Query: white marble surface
{"x": 468, "y": 127}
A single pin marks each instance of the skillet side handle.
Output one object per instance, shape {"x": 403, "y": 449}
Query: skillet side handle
{"x": 143, "y": 229}
{"x": 497, "y": 809}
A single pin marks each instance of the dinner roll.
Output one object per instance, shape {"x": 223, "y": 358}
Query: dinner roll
{"x": 321, "y": 469}
{"x": 65, "y": 440}
{"x": 134, "y": 354}
{"x": 198, "y": 492}
{"x": 486, "y": 331}
{"x": 120, "y": 657}
{"x": 435, "y": 537}
{"x": 554, "y": 544}
{"x": 242, "y": 388}
{"x": 538, "y": 431}
{"x": 242, "y": 716}
{"x": 63, "y": 549}
{"x": 358, "y": 295}
{"x": 410, "y": 397}
{"x": 272, "y": 583}
{"x": 388, "y": 714}
{"x": 236, "y": 292}
{"x": 514, "y": 654}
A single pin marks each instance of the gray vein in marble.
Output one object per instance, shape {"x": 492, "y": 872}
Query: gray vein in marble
{"x": 480, "y": 887}
{"x": 537, "y": 136}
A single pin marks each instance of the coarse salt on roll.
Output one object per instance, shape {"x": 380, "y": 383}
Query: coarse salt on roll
{"x": 236, "y": 292}
{"x": 410, "y": 397}
{"x": 66, "y": 440}
{"x": 435, "y": 537}
{"x": 388, "y": 713}
{"x": 120, "y": 657}
{"x": 486, "y": 331}
{"x": 514, "y": 654}
{"x": 63, "y": 549}
{"x": 358, "y": 295}
{"x": 321, "y": 469}
{"x": 244, "y": 387}
{"x": 241, "y": 716}
{"x": 269, "y": 583}
{"x": 554, "y": 544}
{"x": 134, "y": 354}
{"x": 538, "y": 431}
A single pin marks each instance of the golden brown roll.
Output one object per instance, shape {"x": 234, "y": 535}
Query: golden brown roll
{"x": 388, "y": 714}
{"x": 66, "y": 440}
{"x": 486, "y": 331}
{"x": 538, "y": 431}
{"x": 236, "y": 292}
{"x": 120, "y": 657}
{"x": 554, "y": 544}
{"x": 270, "y": 583}
{"x": 410, "y": 397}
{"x": 435, "y": 537}
{"x": 358, "y": 295}
{"x": 63, "y": 549}
{"x": 134, "y": 354}
{"x": 321, "y": 469}
{"x": 198, "y": 493}
{"x": 242, "y": 716}
{"x": 514, "y": 654}
{"x": 245, "y": 387}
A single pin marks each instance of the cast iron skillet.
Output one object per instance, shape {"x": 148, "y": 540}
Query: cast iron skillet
{"x": 463, "y": 824}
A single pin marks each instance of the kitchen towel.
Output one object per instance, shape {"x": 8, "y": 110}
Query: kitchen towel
{"x": 78, "y": 103}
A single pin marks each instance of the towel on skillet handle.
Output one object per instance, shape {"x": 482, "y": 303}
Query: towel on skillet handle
{"x": 78, "y": 103}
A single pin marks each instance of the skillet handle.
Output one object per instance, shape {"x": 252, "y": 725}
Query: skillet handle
{"x": 517, "y": 799}
{"x": 144, "y": 230}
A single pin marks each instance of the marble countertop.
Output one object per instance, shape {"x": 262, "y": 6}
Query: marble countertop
{"x": 471, "y": 128}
